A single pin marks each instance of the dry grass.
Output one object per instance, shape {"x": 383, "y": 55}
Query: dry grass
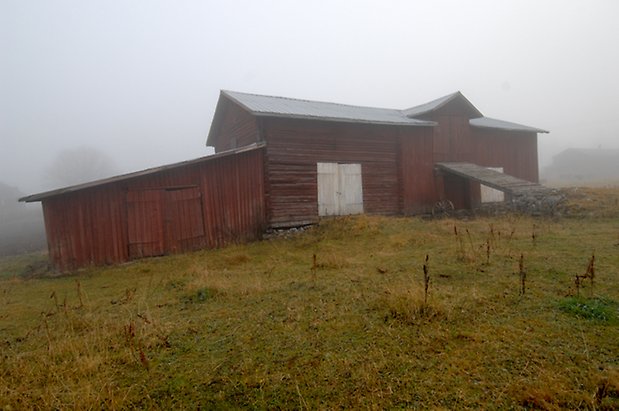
{"x": 261, "y": 326}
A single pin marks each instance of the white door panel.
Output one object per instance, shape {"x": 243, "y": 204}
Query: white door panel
{"x": 327, "y": 189}
{"x": 340, "y": 189}
{"x": 351, "y": 198}
{"x": 489, "y": 194}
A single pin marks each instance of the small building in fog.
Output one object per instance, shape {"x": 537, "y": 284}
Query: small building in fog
{"x": 584, "y": 166}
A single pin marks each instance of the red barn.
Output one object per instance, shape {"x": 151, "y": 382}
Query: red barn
{"x": 325, "y": 158}
{"x": 284, "y": 162}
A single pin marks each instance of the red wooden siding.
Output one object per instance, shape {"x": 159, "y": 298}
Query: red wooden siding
{"x": 145, "y": 223}
{"x": 417, "y": 170}
{"x": 294, "y": 147}
{"x": 515, "y": 151}
{"x": 237, "y": 127}
{"x": 211, "y": 203}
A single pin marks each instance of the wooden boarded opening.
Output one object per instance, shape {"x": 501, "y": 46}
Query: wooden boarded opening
{"x": 340, "y": 189}
{"x": 164, "y": 221}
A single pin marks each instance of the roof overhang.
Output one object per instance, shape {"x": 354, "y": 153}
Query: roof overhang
{"x": 487, "y": 122}
{"x": 70, "y": 189}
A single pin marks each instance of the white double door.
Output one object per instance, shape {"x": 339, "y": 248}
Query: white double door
{"x": 340, "y": 189}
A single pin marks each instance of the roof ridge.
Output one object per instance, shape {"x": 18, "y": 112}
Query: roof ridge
{"x": 437, "y": 103}
{"x": 231, "y": 93}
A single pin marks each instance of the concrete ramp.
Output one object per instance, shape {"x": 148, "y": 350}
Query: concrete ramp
{"x": 524, "y": 195}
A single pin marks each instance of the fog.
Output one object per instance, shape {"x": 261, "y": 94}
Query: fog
{"x": 139, "y": 80}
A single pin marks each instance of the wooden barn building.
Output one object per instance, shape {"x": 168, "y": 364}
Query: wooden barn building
{"x": 284, "y": 162}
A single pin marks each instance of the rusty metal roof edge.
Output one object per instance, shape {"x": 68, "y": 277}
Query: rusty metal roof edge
{"x": 82, "y": 186}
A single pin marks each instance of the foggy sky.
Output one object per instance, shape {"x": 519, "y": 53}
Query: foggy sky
{"x": 139, "y": 80}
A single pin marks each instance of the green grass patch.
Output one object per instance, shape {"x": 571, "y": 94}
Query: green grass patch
{"x": 598, "y": 309}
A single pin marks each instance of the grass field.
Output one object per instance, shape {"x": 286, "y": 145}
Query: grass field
{"x": 265, "y": 325}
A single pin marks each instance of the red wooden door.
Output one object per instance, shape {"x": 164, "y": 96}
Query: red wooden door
{"x": 145, "y": 223}
{"x": 183, "y": 221}
{"x": 164, "y": 221}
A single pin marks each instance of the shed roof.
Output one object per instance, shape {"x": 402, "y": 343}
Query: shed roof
{"x": 41, "y": 196}
{"x": 487, "y": 122}
{"x": 261, "y": 105}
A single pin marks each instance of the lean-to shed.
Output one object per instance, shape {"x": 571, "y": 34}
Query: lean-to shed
{"x": 206, "y": 202}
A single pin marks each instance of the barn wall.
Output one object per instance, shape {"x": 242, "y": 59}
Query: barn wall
{"x": 238, "y": 128}
{"x": 515, "y": 151}
{"x": 294, "y": 147}
{"x": 455, "y": 140}
{"x": 90, "y": 226}
{"x": 418, "y": 184}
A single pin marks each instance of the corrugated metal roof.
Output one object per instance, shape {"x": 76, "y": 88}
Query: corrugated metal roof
{"x": 260, "y": 105}
{"x": 487, "y": 122}
{"x": 41, "y": 196}
{"x": 438, "y": 103}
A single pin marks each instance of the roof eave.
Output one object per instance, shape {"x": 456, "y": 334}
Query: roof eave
{"x": 90, "y": 184}
{"x": 417, "y": 123}
{"x": 527, "y": 129}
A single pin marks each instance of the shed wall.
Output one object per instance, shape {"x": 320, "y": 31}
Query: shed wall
{"x": 90, "y": 226}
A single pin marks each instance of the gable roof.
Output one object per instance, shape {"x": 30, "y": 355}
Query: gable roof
{"x": 487, "y": 122}
{"x": 271, "y": 106}
{"x": 434, "y": 105}
{"x": 284, "y": 107}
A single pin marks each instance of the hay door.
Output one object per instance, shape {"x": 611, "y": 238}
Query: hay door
{"x": 340, "y": 189}
{"x": 489, "y": 194}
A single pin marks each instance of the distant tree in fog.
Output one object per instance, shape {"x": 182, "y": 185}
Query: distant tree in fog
{"x": 80, "y": 165}
{"x": 8, "y": 200}
{"x": 21, "y": 227}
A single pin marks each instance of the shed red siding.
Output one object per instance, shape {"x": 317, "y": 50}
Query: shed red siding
{"x": 91, "y": 226}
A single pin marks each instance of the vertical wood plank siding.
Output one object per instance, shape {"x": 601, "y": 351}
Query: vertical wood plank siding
{"x": 90, "y": 226}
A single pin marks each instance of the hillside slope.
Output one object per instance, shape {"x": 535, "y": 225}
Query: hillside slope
{"x": 267, "y": 325}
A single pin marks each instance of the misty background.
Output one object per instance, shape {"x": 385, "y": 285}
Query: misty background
{"x": 134, "y": 84}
